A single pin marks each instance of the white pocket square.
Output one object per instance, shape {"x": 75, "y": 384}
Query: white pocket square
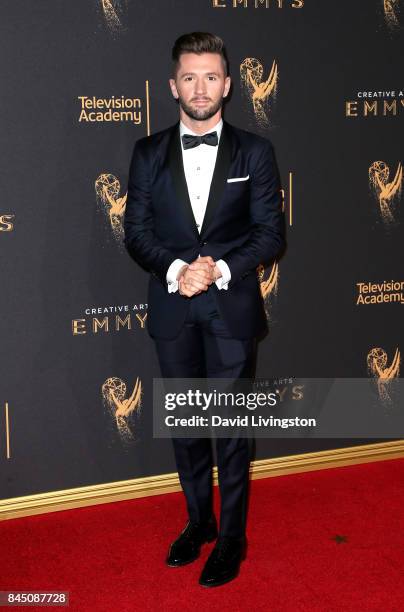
{"x": 236, "y": 180}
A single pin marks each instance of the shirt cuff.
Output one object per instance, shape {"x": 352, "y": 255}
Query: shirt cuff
{"x": 223, "y": 281}
{"x": 171, "y": 276}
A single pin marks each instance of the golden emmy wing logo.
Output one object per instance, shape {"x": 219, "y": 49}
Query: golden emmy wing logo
{"x": 387, "y": 192}
{"x": 268, "y": 283}
{"x": 382, "y": 372}
{"x": 121, "y": 408}
{"x": 112, "y": 11}
{"x": 259, "y": 91}
{"x": 391, "y": 12}
{"x": 107, "y": 188}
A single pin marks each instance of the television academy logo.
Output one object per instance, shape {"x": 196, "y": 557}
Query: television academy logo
{"x": 261, "y": 93}
{"x": 115, "y": 109}
{"x": 386, "y": 292}
{"x": 107, "y": 189}
{"x": 6, "y": 223}
{"x": 383, "y": 373}
{"x": 386, "y": 192}
{"x": 124, "y": 410}
{"x": 268, "y": 283}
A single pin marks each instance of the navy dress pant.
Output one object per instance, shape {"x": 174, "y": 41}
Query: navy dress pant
{"x": 205, "y": 349}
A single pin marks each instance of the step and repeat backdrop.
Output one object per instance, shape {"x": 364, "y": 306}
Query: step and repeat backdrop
{"x": 82, "y": 80}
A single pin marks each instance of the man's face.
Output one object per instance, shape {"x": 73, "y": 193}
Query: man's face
{"x": 200, "y": 84}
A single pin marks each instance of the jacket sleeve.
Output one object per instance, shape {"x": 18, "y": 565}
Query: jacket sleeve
{"x": 140, "y": 239}
{"x": 267, "y": 236}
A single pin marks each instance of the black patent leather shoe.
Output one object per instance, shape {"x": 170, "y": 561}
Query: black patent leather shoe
{"x": 187, "y": 546}
{"x": 223, "y": 563}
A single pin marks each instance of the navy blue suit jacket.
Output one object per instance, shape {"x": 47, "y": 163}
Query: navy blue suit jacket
{"x": 243, "y": 224}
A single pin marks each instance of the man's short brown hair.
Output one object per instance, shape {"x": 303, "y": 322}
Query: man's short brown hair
{"x": 199, "y": 42}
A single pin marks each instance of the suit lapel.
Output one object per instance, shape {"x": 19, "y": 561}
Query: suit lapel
{"x": 178, "y": 175}
{"x": 220, "y": 174}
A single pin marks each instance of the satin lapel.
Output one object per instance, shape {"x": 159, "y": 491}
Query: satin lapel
{"x": 220, "y": 174}
{"x": 178, "y": 175}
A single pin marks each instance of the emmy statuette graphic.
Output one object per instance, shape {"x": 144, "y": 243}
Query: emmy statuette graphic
{"x": 260, "y": 92}
{"x": 107, "y": 188}
{"x": 391, "y": 10}
{"x": 268, "y": 283}
{"x": 384, "y": 374}
{"x": 387, "y": 192}
{"x": 124, "y": 410}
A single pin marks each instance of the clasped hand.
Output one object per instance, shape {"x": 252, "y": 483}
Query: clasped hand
{"x": 197, "y": 276}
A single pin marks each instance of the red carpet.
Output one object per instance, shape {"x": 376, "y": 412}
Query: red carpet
{"x": 111, "y": 557}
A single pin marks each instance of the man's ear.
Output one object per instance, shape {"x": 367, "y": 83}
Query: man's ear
{"x": 227, "y": 85}
{"x": 173, "y": 88}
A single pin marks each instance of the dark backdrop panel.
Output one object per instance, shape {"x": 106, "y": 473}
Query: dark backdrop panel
{"x": 60, "y": 257}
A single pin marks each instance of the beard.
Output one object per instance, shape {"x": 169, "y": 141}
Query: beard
{"x": 200, "y": 114}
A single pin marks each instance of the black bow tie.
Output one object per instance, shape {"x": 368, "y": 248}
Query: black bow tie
{"x": 190, "y": 141}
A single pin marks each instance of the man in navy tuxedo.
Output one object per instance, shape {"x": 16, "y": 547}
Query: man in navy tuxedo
{"x": 204, "y": 209}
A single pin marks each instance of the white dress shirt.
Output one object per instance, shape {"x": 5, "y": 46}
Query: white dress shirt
{"x": 199, "y": 164}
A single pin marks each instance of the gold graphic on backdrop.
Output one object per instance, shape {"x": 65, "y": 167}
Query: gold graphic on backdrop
{"x": 107, "y": 188}
{"x": 6, "y": 223}
{"x": 391, "y": 12}
{"x": 257, "y": 4}
{"x": 259, "y": 91}
{"x": 384, "y": 292}
{"x": 112, "y": 9}
{"x": 383, "y": 373}
{"x": 123, "y": 409}
{"x": 268, "y": 283}
{"x": 7, "y": 419}
{"x": 387, "y": 192}
{"x": 287, "y": 199}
